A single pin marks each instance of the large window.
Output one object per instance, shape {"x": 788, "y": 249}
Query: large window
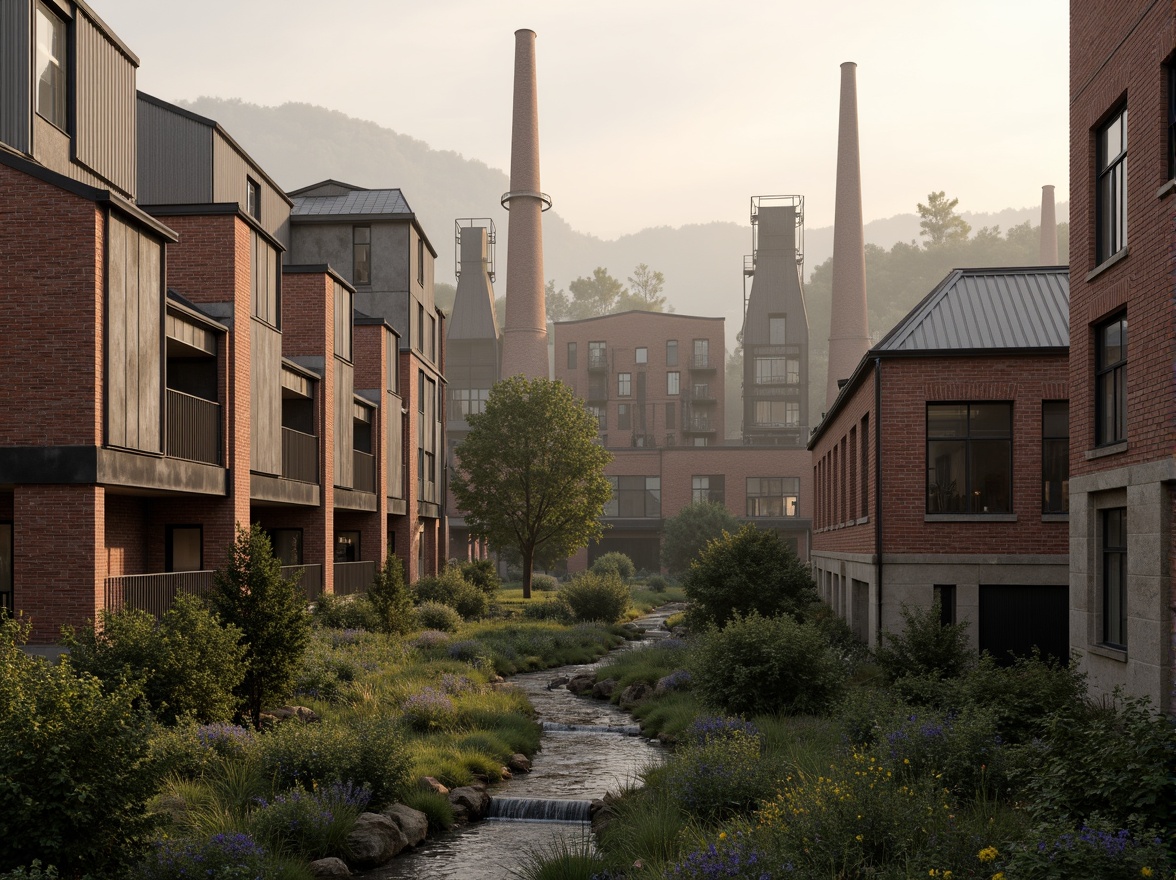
{"x": 1055, "y": 456}
{"x": 599, "y": 413}
{"x": 701, "y": 353}
{"x": 671, "y": 352}
{"x": 624, "y": 384}
{"x": 571, "y": 355}
{"x": 772, "y": 496}
{"x": 343, "y": 322}
{"x": 708, "y": 488}
{"x": 1111, "y": 200}
{"x": 777, "y": 371}
{"x": 1110, "y": 363}
{"x": 1114, "y": 576}
{"x": 287, "y": 545}
{"x": 634, "y": 497}
{"x": 969, "y": 457}
{"x": 52, "y": 67}
{"x": 777, "y": 330}
{"x": 265, "y": 282}
{"x": 184, "y": 548}
{"x": 624, "y": 416}
{"x": 468, "y": 401}
{"x": 641, "y": 355}
{"x": 597, "y": 356}
{"x": 361, "y": 254}
{"x": 673, "y": 382}
{"x": 777, "y": 413}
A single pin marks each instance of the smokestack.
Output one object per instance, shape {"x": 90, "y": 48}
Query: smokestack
{"x": 1049, "y": 227}
{"x": 524, "y": 339}
{"x": 849, "y": 331}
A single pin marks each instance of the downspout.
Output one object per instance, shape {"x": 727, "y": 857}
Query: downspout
{"x": 878, "y": 484}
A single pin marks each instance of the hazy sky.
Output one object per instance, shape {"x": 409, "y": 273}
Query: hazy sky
{"x": 659, "y": 112}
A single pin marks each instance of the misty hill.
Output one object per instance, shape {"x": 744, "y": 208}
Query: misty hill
{"x": 299, "y": 144}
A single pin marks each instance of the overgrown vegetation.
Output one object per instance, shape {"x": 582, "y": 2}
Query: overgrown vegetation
{"x": 594, "y": 596}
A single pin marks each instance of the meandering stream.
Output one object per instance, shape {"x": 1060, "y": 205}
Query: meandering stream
{"x": 589, "y": 748}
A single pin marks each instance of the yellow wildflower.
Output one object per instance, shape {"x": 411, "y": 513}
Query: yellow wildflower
{"x": 1145, "y": 871}
{"x": 987, "y": 854}
{"x": 999, "y": 875}
{"x": 722, "y": 835}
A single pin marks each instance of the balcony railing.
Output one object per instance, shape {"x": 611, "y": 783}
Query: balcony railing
{"x": 702, "y": 394}
{"x": 352, "y": 578}
{"x": 597, "y": 360}
{"x": 310, "y": 580}
{"x": 299, "y": 456}
{"x": 193, "y": 428}
{"x": 154, "y": 593}
{"x": 364, "y": 471}
{"x": 597, "y": 391}
{"x": 702, "y": 362}
{"x": 700, "y": 426}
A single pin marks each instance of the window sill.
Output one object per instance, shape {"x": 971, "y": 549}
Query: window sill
{"x": 1167, "y": 189}
{"x": 1103, "y": 451}
{"x": 861, "y": 520}
{"x": 1107, "y": 263}
{"x": 1055, "y": 517}
{"x": 970, "y": 517}
{"x": 1109, "y": 651}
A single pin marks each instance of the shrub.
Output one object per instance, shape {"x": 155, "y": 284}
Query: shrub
{"x": 963, "y": 751}
{"x": 436, "y": 807}
{"x": 837, "y": 633}
{"x": 313, "y": 824}
{"x": 35, "y": 871}
{"x": 717, "y": 776}
{"x": 592, "y": 596}
{"x": 185, "y": 664}
{"x": 926, "y": 646}
{"x": 346, "y": 612}
{"x": 551, "y": 609}
{"x": 1022, "y": 695}
{"x": 657, "y": 583}
{"x": 428, "y": 709}
{"x": 270, "y": 611}
{"x": 614, "y": 563}
{"x": 765, "y": 664}
{"x": 544, "y": 583}
{"x": 389, "y": 598}
{"x": 734, "y": 856}
{"x": 687, "y": 533}
{"x": 233, "y": 856}
{"x": 1095, "y": 851}
{"x": 752, "y": 570}
{"x": 76, "y": 772}
{"x": 450, "y": 588}
{"x": 483, "y": 574}
{"x": 437, "y": 616}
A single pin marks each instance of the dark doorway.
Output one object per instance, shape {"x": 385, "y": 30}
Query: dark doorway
{"x": 1016, "y": 619}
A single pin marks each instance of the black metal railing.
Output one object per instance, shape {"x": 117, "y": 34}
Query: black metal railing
{"x": 702, "y": 362}
{"x": 154, "y": 593}
{"x": 597, "y": 360}
{"x": 193, "y": 428}
{"x": 700, "y": 426}
{"x": 363, "y": 475}
{"x": 597, "y": 391}
{"x": 299, "y": 456}
{"x": 353, "y": 578}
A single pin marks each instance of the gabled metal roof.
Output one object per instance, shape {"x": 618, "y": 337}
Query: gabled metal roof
{"x": 364, "y": 201}
{"x": 978, "y": 309}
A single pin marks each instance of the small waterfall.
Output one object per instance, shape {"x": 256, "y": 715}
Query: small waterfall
{"x": 539, "y": 809}
{"x": 560, "y": 727}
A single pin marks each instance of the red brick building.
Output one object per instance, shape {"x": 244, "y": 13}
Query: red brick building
{"x": 1123, "y": 345}
{"x": 941, "y": 468}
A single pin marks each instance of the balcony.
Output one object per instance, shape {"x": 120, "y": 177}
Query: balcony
{"x": 701, "y": 394}
{"x": 701, "y": 426}
{"x": 155, "y": 593}
{"x": 193, "y": 428}
{"x": 299, "y": 456}
{"x": 353, "y": 578}
{"x": 597, "y": 392}
{"x": 364, "y": 471}
{"x": 702, "y": 363}
{"x": 597, "y": 362}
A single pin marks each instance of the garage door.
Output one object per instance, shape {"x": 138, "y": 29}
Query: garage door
{"x": 1015, "y": 619}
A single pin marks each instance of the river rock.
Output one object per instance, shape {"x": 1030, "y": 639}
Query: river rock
{"x": 519, "y": 763}
{"x": 557, "y": 682}
{"x": 634, "y": 694}
{"x": 413, "y": 824}
{"x": 581, "y": 684}
{"x": 374, "y": 840}
{"x": 603, "y": 690}
{"x": 326, "y": 868}
{"x": 302, "y": 713}
{"x": 472, "y": 801}
{"x": 433, "y": 784}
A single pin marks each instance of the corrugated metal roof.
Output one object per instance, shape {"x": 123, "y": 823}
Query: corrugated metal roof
{"x": 364, "y": 201}
{"x": 976, "y": 309}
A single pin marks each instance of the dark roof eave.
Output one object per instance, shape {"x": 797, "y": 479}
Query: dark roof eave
{"x": 330, "y": 181}
{"x": 640, "y": 312}
{"x": 215, "y": 209}
{"x": 316, "y": 269}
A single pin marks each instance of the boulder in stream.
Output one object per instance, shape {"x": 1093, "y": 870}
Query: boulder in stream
{"x": 433, "y": 784}
{"x": 634, "y": 694}
{"x": 581, "y": 684}
{"x": 603, "y": 690}
{"x": 519, "y": 763}
{"x": 413, "y": 824}
{"x": 469, "y": 802}
{"x": 375, "y": 839}
{"x": 327, "y": 868}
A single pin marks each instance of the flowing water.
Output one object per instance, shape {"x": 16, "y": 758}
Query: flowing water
{"x": 590, "y": 747}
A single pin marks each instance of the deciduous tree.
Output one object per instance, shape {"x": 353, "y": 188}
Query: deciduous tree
{"x": 687, "y": 532}
{"x": 940, "y": 223}
{"x": 645, "y": 290}
{"x": 530, "y": 474}
{"x": 597, "y": 295}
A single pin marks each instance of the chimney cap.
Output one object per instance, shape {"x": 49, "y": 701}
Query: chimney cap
{"x": 845, "y": 64}
{"x": 522, "y": 31}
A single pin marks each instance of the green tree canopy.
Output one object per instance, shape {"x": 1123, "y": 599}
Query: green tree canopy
{"x": 557, "y": 303}
{"x": 940, "y": 223}
{"x": 687, "y": 532}
{"x": 595, "y": 296}
{"x": 645, "y": 291}
{"x": 530, "y": 474}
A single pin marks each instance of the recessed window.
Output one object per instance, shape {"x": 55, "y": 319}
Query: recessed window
{"x": 287, "y": 545}
{"x": 52, "y": 67}
{"x": 571, "y": 355}
{"x": 600, "y": 414}
{"x": 1110, "y": 381}
{"x": 6, "y": 603}
{"x": 945, "y": 597}
{"x": 624, "y": 416}
{"x": 671, "y": 417}
{"x": 1170, "y": 83}
{"x": 671, "y": 352}
{"x": 421, "y": 261}
{"x": 468, "y": 401}
{"x": 624, "y": 384}
{"x": 969, "y": 457}
{"x": 1055, "y": 456}
{"x": 709, "y": 487}
{"x": 1111, "y": 199}
{"x": 701, "y": 353}
{"x": 184, "y": 550}
{"x": 347, "y": 546}
{"x": 777, "y": 371}
{"x": 673, "y": 382}
{"x": 597, "y": 356}
{"x": 361, "y": 254}
{"x": 642, "y": 355}
{"x": 252, "y": 198}
{"x": 344, "y": 314}
{"x": 777, "y": 328}
{"x": 772, "y": 496}
{"x": 634, "y": 497}
{"x": 1114, "y": 576}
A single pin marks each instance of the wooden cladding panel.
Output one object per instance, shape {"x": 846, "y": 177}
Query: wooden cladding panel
{"x": 344, "y": 425}
{"x": 265, "y": 377}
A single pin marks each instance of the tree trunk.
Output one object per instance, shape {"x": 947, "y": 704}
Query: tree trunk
{"x": 528, "y": 564}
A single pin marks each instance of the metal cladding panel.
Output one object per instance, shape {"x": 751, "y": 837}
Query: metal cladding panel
{"x": 230, "y": 168}
{"x": 775, "y": 287}
{"x": 366, "y": 201}
{"x": 344, "y": 425}
{"x": 175, "y": 152}
{"x": 989, "y": 309}
{"x": 106, "y": 134}
{"x": 265, "y": 374}
{"x": 16, "y": 67}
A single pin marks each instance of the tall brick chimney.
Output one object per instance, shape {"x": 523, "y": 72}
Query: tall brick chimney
{"x": 524, "y": 338}
{"x": 1049, "y": 227}
{"x": 849, "y": 329}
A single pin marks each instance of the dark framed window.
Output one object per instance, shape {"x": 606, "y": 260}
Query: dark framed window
{"x": 671, "y": 352}
{"x": 673, "y": 382}
{"x": 865, "y": 483}
{"x": 184, "y": 548}
{"x": 641, "y": 355}
{"x": 1114, "y": 576}
{"x": 287, "y": 545}
{"x": 624, "y": 384}
{"x": 1110, "y": 381}
{"x": 421, "y": 262}
{"x": 52, "y": 70}
{"x": 709, "y": 487}
{"x": 252, "y": 198}
{"x": 777, "y": 330}
{"x": 361, "y": 254}
{"x": 265, "y": 282}
{"x": 599, "y": 413}
{"x": 772, "y": 496}
{"x": 1170, "y": 84}
{"x": 597, "y": 356}
{"x": 969, "y": 457}
{"x": 624, "y": 416}
{"x": 1055, "y": 456}
{"x": 701, "y": 353}
{"x": 671, "y": 416}
{"x": 344, "y": 313}
{"x": 6, "y": 570}
{"x": 634, "y": 497}
{"x": 468, "y": 401}
{"x": 571, "y": 355}
{"x": 945, "y": 596}
{"x": 1111, "y": 193}
{"x": 347, "y": 546}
